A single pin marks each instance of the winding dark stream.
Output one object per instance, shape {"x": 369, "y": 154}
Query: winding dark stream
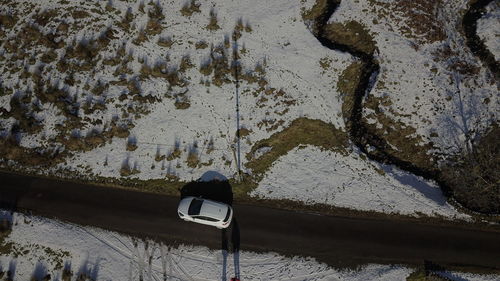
{"x": 475, "y": 44}
{"x": 373, "y": 146}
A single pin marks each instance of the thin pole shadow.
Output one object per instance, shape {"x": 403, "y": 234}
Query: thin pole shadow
{"x": 235, "y": 241}
{"x": 235, "y": 249}
{"x": 225, "y": 249}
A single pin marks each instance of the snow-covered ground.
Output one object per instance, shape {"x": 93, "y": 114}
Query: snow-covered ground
{"x": 46, "y": 246}
{"x": 278, "y": 41}
{"x": 429, "y": 80}
{"x": 294, "y": 76}
{"x": 488, "y": 28}
{"x": 314, "y": 176}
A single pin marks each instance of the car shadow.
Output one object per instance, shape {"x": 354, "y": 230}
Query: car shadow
{"x": 212, "y": 185}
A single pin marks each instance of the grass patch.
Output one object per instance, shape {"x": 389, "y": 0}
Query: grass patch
{"x": 346, "y": 85}
{"x": 316, "y": 12}
{"x": 153, "y": 27}
{"x": 5, "y": 230}
{"x": 473, "y": 176}
{"x": 201, "y": 45}
{"x": 166, "y": 42}
{"x": 353, "y": 34}
{"x": 190, "y": 8}
{"x": 403, "y": 141}
{"x": 301, "y": 131}
{"x": 182, "y": 103}
{"x": 212, "y": 23}
{"x": 418, "y": 20}
{"x": 192, "y": 159}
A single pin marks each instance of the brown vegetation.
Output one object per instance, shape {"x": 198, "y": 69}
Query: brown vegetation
{"x": 347, "y": 85}
{"x": 474, "y": 176}
{"x": 421, "y": 18}
{"x": 190, "y": 8}
{"x": 212, "y": 23}
{"x": 351, "y": 33}
{"x": 301, "y": 131}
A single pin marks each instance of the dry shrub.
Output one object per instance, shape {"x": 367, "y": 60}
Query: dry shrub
{"x": 190, "y": 7}
{"x": 315, "y": 13}
{"x": 165, "y": 41}
{"x": 353, "y": 34}
{"x": 125, "y": 169}
{"x": 421, "y": 19}
{"x": 201, "y": 45}
{"x": 127, "y": 20}
{"x": 175, "y": 153}
{"x": 158, "y": 156}
{"x": 153, "y": 27}
{"x": 474, "y": 176}
{"x": 346, "y": 85}
{"x": 155, "y": 11}
{"x": 131, "y": 143}
{"x": 238, "y": 28}
{"x": 212, "y": 23}
{"x": 49, "y": 57}
{"x": 109, "y": 6}
{"x": 141, "y": 37}
{"x": 7, "y": 21}
{"x": 193, "y": 159}
{"x": 67, "y": 274}
{"x": 45, "y": 17}
{"x": 185, "y": 64}
{"x": 243, "y": 132}
{"x": 79, "y": 14}
{"x": 182, "y": 102}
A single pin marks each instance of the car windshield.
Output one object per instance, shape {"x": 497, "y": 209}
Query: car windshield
{"x": 195, "y": 207}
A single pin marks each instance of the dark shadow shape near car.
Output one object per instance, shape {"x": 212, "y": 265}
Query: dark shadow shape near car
{"x": 212, "y": 188}
{"x": 234, "y": 242}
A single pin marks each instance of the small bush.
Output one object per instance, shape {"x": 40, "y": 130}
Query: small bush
{"x": 185, "y": 64}
{"x": 182, "y": 103}
{"x": 193, "y": 159}
{"x": 153, "y": 27}
{"x": 201, "y": 45}
{"x": 158, "y": 156}
{"x": 190, "y": 7}
{"x": 131, "y": 143}
{"x": 212, "y": 23}
{"x": 165, "y": 42}
{"x": 474, "y": 177}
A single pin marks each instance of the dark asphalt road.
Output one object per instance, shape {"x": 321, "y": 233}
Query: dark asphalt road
{"x": 337, "y": 241}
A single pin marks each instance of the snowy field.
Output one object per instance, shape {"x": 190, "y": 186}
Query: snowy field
{"x": 352, "y": 182}
{"x": 429, "y": 81}
{"x": 153, "y": 96}
{"x": 489, "y": 28}
{"x": 50, "y": 246}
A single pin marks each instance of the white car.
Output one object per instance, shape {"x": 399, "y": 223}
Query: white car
{"x": 205, "y": 211}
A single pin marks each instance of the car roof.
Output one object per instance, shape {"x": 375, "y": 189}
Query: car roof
{"x": 214, "y": 209}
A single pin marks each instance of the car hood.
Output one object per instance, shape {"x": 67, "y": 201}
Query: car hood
{"x": 184, "y": 205}
{"x": 214, "y": 210}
